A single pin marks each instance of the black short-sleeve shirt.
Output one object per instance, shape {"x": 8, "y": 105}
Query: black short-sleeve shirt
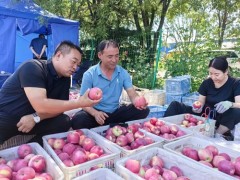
{"x": 33, "y": 73}
{"x": 225, "y": 93}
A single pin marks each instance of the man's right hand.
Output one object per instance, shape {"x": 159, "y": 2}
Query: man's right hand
{"x": 100, "y": 117}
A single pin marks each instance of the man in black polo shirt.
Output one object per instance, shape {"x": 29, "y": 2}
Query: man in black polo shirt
{"x": 33, "y": 99}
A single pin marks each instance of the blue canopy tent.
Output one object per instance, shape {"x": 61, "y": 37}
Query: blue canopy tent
{"x": 20, "y": 22}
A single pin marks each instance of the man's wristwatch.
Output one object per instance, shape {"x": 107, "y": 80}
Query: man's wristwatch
{"x": 36, "y": 118}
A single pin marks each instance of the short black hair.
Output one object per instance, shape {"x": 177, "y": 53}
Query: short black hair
{"x": 106, "y": 43}
{"x": 41, "y": 36}
{"x": 219, "y": 63}
{"x": 66, "y": 46}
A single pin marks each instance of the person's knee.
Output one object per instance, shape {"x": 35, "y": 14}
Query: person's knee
{"x": 64, "y": 123}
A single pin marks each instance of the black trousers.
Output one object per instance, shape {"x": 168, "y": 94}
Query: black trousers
{"x": 124, "y": 113}
{"x": 8, "y": 128}
{"x": 229, "y": 118}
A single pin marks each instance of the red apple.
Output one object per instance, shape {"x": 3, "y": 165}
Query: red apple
{"x": 47, "y": 176}
{"x": 92, "y": 156}
{"x": 139, "y": 134}
{"x": 133, "y": 165}
{"x": 95, "y": 93}
{"x": 164, "y": 129}
{"x": 156, "y": 161}
{"x": 63, "y": 156}
{"x": 82, "y": 137}
{"x": 213, "y": 149}
{"x": 140, "y": 101}
{"x": 69, "y": 148}
{"x": 122, "y": 140}
{"x": 51, "y": 141}
{"x": 68, "y": 163}
{"x": 79, "y": 157}
{"x": 111, "y": 138}
{"x": 197, "y": 104}
{"x": 5, "y": 171}
{"x": 226, "y": 167}
{"x": 88, "y": 143}
{"x": 73, "y": 137}
{"x": 205, "y": 155}
{"x": 200, "y": 122}
{"x": 187, "y": 116}
{"x": 24, "y": 150}
{"x": 28, "y": 157}
{"x": 185, "y": 122}
{"x": 151, "y": 173}
{"x": 80, "y": 132}
{"x": 3, "y": 161}
{"x": 130, "y": 137}
{"x": 153, "y": 120}
{"x": 217, "y": 159}
{"x": 227, "y": 157}
{"x": 174, "y": 129}
{"x": 160, "y": 123}
{"x": 168, "y": 174}
{"x": 117, "y": 130}
{"x": 97, "y": 150}
{"x": 237, "y": 168}
{"x": 177, "y": 170}
{"x": 206, "y": 163}
{"x": 25, "y": 173}
{"x": 59, "y": 143}
{"x": 38, "y": 163}
{"x": 20, "y": 163}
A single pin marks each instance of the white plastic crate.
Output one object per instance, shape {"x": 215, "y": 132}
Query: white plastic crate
{"x": 51, "y": 168}
{"x": 197, "y": 143}
{"x": 177, "y": 119}
{"x": 188, "y": 132}
{"x": 80, "y": 169}
{"x": 189, "y": 169}
{"x": 100, "y": 174}
{"x": 158, "y": 141}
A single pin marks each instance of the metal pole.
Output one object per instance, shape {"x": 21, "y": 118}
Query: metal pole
{"x": 157, "y": 59}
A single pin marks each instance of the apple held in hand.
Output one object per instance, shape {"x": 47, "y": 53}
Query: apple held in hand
{"x": 95, "y": 93}
{"x": 140, "y": 102}
{"x": 197, "y": 105}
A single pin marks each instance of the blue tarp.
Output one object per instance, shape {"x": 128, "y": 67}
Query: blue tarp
{"x": 20, "y": 22}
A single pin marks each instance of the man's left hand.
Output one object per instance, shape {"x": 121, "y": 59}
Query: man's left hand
{"x": 26, "y": 123}
{"x": 223, "y": 106}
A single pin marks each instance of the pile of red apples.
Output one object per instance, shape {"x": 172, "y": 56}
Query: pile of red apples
{"x": 129, "y": 137}
{"x": 160, "y": 128}
{"x": 76, "y": 148}
{"x": 155, "y": 169}
{"x": 189, "y": 121}
{"x": 211, "y": 157}
{"x": 27, "y": 166}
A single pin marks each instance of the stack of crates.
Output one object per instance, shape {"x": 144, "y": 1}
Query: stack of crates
{"x": 177, "y": 87}
{"x": 190, "y": 98}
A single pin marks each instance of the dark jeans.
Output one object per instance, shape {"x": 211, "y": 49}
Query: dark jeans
{"x": 124, "y": 113}
{"x": 8, "y": 128}
{"x": 229, "y": 118}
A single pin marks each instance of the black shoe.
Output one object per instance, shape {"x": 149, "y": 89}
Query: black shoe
{"x": 228, "y": 136}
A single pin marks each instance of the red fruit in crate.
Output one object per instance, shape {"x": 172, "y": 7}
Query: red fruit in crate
{"x": 58, "y": 143}
{"x": 217, "y": 159}
{"x": 156, "y": 161}
{"x": 227, "y": 157}
{"x": 226, "y": 167}
{"x": 187, "y": 116}
{"x": 164, "y": 129}
{"x": 133, "y": 165}
{"x": 81, "y": 139}
{"x": 168, "y": 174}
{"x": 38, "y": 163}
{"x": 130, "y": 137}
{"x": 46, "y": 176}
{"x": 3, "y": 161}
{"x": 180, "y": 133}
{"x": 25, "y": 173}
{"x": 73, "y": 137}
{"x": 69, "y": 148}
{"x": 51, "y": 141}
{"x": 68, "y": 163}
{"x": 140, "y": 101}
{"x": 132, "y": 128}
{"x": 148, "y": 140}
{"x": 97, "y": 150}
{"x": 80, "y": 132}
{"x": 193, "y": 120}
{"x": 213, "y": 149}
{"x": 19, "y": 164}
{"x": 153, "y": 120}
{"x": 88, "y": 143}
{"x": 173, "y": 129}
{"x": 111, "y": 138}
{"x": 92, "y": 156}
{"x": 141, "y": 141}
{"x": 5, "y": 171}
{"x": 206, "y": 163}
{"x": 205, "y": 155}
{"x": 177, "y": 170}
{"x": 122, "y": 140}
{"x": 117, "y": 130}
{"x": 141, "y": 172}
{"x": 23, "y": 150}
{"x": 78, "y": 157}
{"x": 63, "y": 156}
{"x": 151, "y": 172}
{"x": 139, "y": 134}
{"x": 200, "y": 122}
{"x": 237, "y": 168}
{"x": 197, "y": 104}
{"x": 160, "y": 123}
{"x": 95, "y": 93}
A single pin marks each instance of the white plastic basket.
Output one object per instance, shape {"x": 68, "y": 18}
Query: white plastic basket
{"x": 100, "y": 174}
{"x": 197, "y": 143}
{"x": 51, "y": 168}
{"x": 80, "y": 169}
{"x": 188, "y": 132}
{"x": 158, "y": 142}
{"x": 189, "y": 169}
{"x": 177, "y": 119}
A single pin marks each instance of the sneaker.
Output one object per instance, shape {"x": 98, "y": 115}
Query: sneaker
{"x": 228, "y": 136}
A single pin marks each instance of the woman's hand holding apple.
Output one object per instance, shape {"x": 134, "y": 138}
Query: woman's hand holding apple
{"x": 197, "y": 107}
